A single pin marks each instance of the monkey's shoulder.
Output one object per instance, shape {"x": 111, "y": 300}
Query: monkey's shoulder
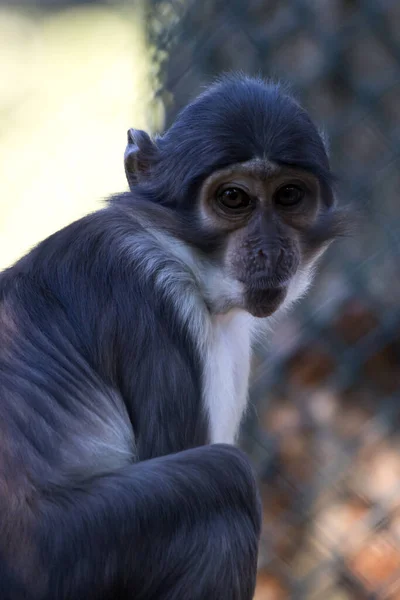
{"x": 105, "y": 264}
{"x": 112, "y": 238}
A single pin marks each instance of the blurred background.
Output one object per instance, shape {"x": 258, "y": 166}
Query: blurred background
{"x": 323, "y": 425}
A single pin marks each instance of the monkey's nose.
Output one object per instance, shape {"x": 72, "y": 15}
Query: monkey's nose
{"x": 270, "y": 262}
{"x": 270, "y": 258}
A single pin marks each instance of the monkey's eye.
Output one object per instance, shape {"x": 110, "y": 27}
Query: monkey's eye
{"x": 289, "y": 195}
{"x": 234, "y": 198}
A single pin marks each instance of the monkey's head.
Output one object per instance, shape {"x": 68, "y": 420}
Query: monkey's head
{"x": 246, "y": 175}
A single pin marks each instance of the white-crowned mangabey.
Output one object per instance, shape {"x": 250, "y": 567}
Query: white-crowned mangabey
{"x": 124, "y": 357}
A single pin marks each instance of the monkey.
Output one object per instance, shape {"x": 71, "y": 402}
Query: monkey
{"x": 125, "y": 349}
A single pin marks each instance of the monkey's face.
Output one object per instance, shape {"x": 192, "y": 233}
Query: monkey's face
{"x": 258, "y": 226}
{"x": 268, "y": 215}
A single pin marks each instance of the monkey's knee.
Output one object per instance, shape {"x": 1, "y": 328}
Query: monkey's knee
{"x": 231, "y": 551}
{"x": 238, "y": 475}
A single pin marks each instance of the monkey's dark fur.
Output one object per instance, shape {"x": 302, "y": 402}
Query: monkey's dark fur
{"x": 108, "y": 487}
{"x": 231, "y": 124}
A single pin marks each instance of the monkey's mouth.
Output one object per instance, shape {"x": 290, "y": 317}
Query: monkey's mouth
{"x": 264, "y": 301}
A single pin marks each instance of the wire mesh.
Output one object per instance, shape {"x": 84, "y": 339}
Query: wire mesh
{"x": 323, "y": 427}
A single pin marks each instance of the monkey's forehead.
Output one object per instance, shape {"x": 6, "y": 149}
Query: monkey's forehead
{"x": 259, "y": 168}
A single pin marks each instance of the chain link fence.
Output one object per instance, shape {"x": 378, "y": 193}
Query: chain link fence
{"x": 323, "y": 427}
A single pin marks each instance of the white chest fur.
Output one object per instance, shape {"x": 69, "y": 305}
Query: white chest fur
{"x": 226, "y": 374}
{"x": 224, "y": 340}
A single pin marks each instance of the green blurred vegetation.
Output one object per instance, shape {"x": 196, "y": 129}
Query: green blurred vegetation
{"x": 71, "y": 84}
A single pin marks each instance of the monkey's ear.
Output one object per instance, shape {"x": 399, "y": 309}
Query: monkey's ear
{"x": 140, "y": 152}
